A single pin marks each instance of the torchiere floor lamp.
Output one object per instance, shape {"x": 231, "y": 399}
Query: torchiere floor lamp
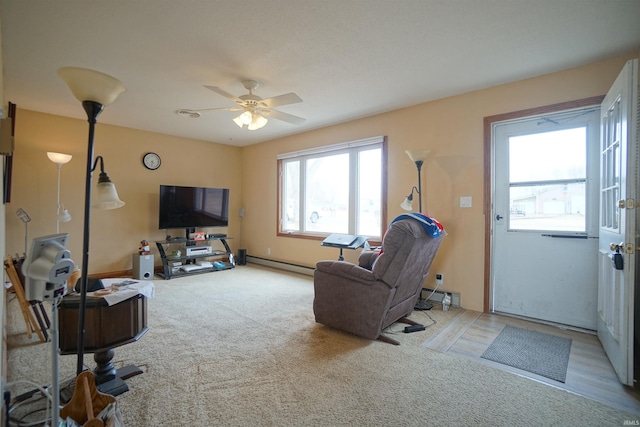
{"x": 418, "y": 157}
{"x": 62, "y": 214}
{"x": 95, "y": 90}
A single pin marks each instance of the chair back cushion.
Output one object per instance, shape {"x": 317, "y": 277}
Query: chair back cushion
{"x": 408, "y": 252}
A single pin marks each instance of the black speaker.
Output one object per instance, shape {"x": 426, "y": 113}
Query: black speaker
{"x": 143, "y": 267}
{"x": 242, "y": 256}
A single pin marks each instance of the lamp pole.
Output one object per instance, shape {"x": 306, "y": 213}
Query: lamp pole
{"x": 58, "y": 201}
{"x": 418, "y": 157}
{"x": 419, "y": 166}
{"x": 93, "y": 110}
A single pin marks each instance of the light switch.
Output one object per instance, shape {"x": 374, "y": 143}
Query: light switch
{"x": 465, "y": 201}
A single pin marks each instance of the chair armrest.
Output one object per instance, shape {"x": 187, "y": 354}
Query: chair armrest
{"x": 347, "y": 270}
{"x": 367, "y": 258}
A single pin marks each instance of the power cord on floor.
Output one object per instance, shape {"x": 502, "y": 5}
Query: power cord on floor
{"x": 426, "y": 314}
{"x": 29, "y": 397}
{"x": 392, "y": 331}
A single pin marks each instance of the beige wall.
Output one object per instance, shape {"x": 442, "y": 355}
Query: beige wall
{"x": 452, "y": 129}
{"x": 115, "y": 234}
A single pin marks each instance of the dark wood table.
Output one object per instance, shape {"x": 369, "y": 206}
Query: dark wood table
{"x": 106, "y": 327}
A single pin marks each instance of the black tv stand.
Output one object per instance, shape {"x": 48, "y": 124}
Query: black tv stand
{"x": 174, "y": 256}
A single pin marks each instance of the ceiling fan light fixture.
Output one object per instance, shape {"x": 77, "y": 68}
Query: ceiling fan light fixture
{"x": 257, "y": 122}
{"x": 246, "y": 117}
{"x": 238, "y": 121}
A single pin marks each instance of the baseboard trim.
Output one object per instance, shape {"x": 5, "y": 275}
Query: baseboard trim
{"x": 438, "y": 295}
{"x": 295, "y": 268}
{"x": 111, "y": 274}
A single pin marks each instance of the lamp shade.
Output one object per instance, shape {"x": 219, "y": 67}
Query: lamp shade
{"x": 91, "y": 85}
{"x": 257, "y": 122}
{"x": 106, "y": 197}
{"x": 251, "y": 119}
{"x": 64, "y": 216}
{"x": 243, "y": 119}
{"x": 418, "y": 155}
{"x": 59, "y": 158}
{"x": 407, "y": 205}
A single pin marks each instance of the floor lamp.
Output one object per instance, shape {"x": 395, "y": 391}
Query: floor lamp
{"x": 95, "y": 90}
{"x": 418, "y": 157}
{"x": 61, "y": 215}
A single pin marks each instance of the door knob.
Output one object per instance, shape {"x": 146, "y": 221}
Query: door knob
{"x": 499, "y": 217}
{"x": 616, "y": 246}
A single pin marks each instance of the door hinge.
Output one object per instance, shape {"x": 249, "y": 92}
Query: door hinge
{"x": 627, "y": 204}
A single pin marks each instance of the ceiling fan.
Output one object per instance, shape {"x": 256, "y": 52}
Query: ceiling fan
{"x": 255, "y": 110}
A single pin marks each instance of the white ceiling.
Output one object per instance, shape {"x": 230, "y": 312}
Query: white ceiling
{"x": 346, "y": 59}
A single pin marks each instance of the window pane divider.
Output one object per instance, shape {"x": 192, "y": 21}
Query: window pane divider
{"x": 332, "y": 148}
{"x": 549, "y": 182}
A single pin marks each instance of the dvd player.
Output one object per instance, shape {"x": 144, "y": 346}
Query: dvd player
{"x": 198, "y": 250}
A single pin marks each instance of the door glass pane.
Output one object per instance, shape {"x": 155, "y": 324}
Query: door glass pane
{"x": 291, "y": 191}
{"x": 548, "y": 156}
{"x": 369, "y": 192}
{"x": 547, "y": 181}
{"x": 327, "y": 194}
{"x": 610, "y": 165}
{"x": 554, "y": 207}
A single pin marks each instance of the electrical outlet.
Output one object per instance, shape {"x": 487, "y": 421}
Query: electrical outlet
{"x": 465, "y": 202}
{"x": 268, "y": 251}
{"x": 439, "y": 279}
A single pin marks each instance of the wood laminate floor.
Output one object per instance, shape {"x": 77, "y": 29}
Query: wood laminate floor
{"x": 589, "y": 373}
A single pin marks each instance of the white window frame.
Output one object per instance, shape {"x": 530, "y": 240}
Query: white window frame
{"x": 351, "y": 147}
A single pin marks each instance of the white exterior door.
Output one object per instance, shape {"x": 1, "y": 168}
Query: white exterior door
{"x": 617, "y": 231}
{"x": 545, "y": 211}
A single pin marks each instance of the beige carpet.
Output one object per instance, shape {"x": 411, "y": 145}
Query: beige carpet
{"x": 240, "y": 348}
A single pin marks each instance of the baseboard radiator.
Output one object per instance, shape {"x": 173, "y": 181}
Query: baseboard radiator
{"x": 295, "y": 268}
{"x": 302, "y": 269}
{"x": 438, "y": 295}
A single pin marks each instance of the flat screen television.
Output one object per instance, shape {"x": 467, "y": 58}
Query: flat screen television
{"x": 191, "y": 207}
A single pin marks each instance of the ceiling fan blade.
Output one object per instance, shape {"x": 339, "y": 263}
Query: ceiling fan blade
{"x": 279, "y": 115}
{"x": 194, "y": 114}
{"x": 225, "y": 94}
{"x": 286, "y": 99}
{"x": 219, "y": 109}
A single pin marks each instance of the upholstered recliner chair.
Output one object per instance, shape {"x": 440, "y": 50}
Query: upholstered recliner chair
{"x": 364, "y": 299}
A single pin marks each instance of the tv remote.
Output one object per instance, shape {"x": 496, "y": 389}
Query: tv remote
{"x": 414, "y": 328}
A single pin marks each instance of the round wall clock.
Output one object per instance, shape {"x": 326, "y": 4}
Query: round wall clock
{"x": 151, "y": 161}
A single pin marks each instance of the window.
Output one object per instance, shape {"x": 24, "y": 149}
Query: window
{"x": 611, "y": 168}
{"x": 339, "y": 188}
{"x": 547, "y": 181}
